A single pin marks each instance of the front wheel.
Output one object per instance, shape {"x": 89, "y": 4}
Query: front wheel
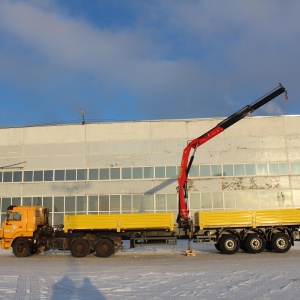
{"x": 229, "y": 244}
{"x": 21, "y": 248}
{"x": 281, "y": 242}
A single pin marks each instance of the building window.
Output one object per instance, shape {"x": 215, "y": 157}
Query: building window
{"x": 59, "y": 175}
{"x": 171, "y": 172}
{"x": 115, "y": 203}
{"x": 115, "y": 173}
{"x": 296, "y": 198}
{"x": 160, "y": 202}
{"x": 194, "y": 171}
{"x": 250, "y": 169}
{"x": 228, "y": 170}
{"x": 137, "y": 173}
{"x": 148, "y": 172}
{"x": 81, "y": 204}
{"x": 38, "y": 176}
{"x": 138, "y": 203}
{"x": 81, "y": 174}
{"x": 48, "y": 175}
{"x": 295, "y": 168}
{"x": 126, "y": 203}
{"x": 104, "y": 174}
{"x": 126, "y": 173}
{"x": 283, "y": 168}
{"x": 104, "y": 203}
{"x": 217, "y": 201}
{"x": 216, "y": 170}
{"x": 17, "y": 176}
{"x": 47, "y": 202}
{"x": 239, "y": 170}
{"x": 70, "y": 204}
{"x": 240, "y": 200}
{"x": 160, "y": 172}
{"x": 71, "y": 175}
{"x": 16, "y": 201}
{"x": 59, "y": 205}
{"x": 93, "y": 204}
{"x": 93, "y": 174}
{"x": 172, "y": 202}
{"x": 206, "y": 201}
{"x": 205, "y": 171}
{"x": 37, "y": 201}
{"x": 148, "y": 202}
{"x": 251, "y": 197}
{"x": 229, "y": 200}
{"x": 27, "y": 201}
{"x": 7, "y": 177}
{"x": 262, "y": 169}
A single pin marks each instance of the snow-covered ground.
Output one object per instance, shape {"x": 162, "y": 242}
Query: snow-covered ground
{"x": 152, "y": 273}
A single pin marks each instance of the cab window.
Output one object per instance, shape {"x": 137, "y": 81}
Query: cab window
{"x": 17, "y": 216}
{"x": 9, "y": 216}
{"x": 14, "y": 216}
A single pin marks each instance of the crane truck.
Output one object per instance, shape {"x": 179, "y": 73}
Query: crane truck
{"x": 27, "y": 231}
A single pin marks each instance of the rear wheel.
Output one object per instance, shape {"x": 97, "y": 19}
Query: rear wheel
{"x": 255, "y": 243}
{"x": 217, "y": 246}
{"x": 104, "y": 247}
{"x": 80, "y": 247}
{"x": 229, "y": 244}
{"x": 21, "y": 248}
{"x": 281, "y": 242}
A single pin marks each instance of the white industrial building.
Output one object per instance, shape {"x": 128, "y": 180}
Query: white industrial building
{"x": 127, "y": 167}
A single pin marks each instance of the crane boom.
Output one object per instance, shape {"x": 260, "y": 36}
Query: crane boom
{"x": 187, "y": 161}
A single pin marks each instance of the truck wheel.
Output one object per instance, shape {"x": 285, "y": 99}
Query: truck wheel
{"x": 80, "y": 247}
{"x": 217, "y": 246}
{"x": 104, "y": 248}
{"x": 281, "y": 242}
{"x": 21, "y": 248}
{"x": 229, "y": 244}
{"x": 255, "y": 243}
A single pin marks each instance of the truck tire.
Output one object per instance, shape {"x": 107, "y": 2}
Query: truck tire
{"x": 229, "y": 244}
{"x": 217, "y": 246}
{"x": 281, "y": 242}
{"x": 255, "y": 243}
{"x": 21, "y": 248}
{"x": 80, "y": 247}
{"x": 104, "y": 247}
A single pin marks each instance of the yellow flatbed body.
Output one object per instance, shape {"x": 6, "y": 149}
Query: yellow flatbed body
{"x": 247, "y": 218}
{"x": 120, "y": 222}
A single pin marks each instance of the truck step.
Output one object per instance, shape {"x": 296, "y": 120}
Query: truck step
{"x": 146, "y": 241}
{"x": 205, "y": 239}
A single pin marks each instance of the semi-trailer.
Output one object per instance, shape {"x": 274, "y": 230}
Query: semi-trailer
{"x": 26, "y": 229}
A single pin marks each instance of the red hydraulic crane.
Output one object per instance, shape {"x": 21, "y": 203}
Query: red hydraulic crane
{"x": 187, "y": 160}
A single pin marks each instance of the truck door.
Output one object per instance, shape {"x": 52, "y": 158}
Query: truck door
{"x": 14, "y": 223}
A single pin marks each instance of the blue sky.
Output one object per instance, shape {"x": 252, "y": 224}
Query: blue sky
{"x": 145, "y": 60}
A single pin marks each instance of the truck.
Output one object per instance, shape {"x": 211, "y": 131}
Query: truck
{"x": 27, "y": 231}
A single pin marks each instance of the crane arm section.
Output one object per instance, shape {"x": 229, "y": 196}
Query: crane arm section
{"x": 187, "y": 159}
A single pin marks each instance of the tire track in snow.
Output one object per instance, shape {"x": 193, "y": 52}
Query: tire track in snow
{"x": 28, "y": 288}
